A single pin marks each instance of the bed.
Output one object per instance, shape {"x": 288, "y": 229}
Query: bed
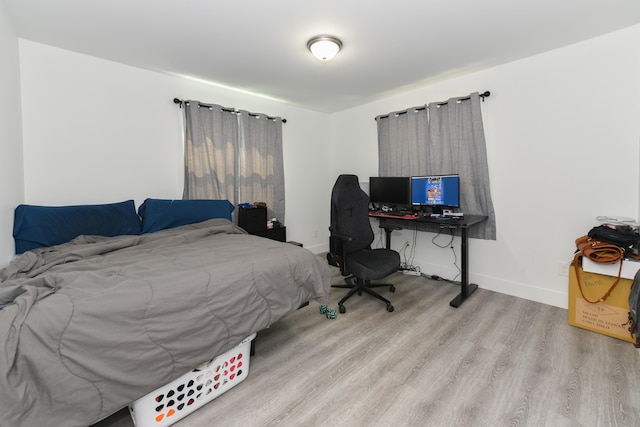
{"x": 106, "y": 304}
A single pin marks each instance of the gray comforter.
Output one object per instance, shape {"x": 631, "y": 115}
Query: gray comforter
{"x": 89, "y": 326}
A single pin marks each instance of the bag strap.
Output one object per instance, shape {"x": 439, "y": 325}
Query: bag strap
{"x": 603, "y": 298}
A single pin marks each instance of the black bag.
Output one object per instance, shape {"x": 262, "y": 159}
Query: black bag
{"x": 620, "y": 235}
{"x": 634, "y": 307}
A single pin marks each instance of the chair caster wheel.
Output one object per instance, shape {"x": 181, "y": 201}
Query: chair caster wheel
{"x": 330, "y": 313}
{"x": 389, "y": 308}
{"x": 342, "y": 309}
{"x": 392, "y": 288}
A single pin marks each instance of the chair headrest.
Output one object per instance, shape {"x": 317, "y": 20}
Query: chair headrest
{"x": 347, "y": 180}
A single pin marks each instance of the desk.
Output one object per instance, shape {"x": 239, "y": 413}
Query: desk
{"x": 390, "y": 223}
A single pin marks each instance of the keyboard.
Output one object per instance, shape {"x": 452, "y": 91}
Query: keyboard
{"x": 382, "y": 214}
{"x": 444, "y": 218}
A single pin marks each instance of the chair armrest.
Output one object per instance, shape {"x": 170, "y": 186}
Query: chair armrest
{"x": 342, "y": 237}
{"x": 335, "y": 256}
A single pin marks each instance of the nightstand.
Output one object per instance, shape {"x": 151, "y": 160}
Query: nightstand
{"x": 254, "y": 221}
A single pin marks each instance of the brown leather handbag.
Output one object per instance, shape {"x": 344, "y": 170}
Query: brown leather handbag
{"x": 601, "y": 252}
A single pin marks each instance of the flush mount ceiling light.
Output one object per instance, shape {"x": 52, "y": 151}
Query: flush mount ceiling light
{"x": 324, "y": 47}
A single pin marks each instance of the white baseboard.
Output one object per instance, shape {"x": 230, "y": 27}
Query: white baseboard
{"x": 318, "y": 249}
{"x": 523, "y": 290}
{"x": 504, "y": 286}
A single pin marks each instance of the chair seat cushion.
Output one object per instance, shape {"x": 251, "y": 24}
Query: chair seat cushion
{"x": 373, "y": 264}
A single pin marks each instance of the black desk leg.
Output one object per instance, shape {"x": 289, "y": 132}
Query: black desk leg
{"x": 387, "y": 231}
{"x": 466, "y": 288}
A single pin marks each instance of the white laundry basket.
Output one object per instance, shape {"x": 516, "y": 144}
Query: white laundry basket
{"x": 174, "y": 401}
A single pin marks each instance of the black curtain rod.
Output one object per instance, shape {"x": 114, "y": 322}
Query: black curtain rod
{"x": 229, "y": 110}
{"x": 483, "y": 95}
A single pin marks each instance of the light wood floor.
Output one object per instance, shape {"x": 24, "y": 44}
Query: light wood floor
{"x": 495, "y": 361}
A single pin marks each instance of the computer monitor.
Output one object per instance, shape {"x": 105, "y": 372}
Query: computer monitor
{"x": 438, "y": 191}
{"x": 393, "y": 192}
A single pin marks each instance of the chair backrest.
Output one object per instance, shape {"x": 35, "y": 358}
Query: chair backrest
{"x": 349, "y": 215}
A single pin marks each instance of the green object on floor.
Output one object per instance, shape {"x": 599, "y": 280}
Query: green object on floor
{"x": 330, "y": 313}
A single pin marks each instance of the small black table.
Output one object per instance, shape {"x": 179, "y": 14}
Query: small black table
{"x": 426, "y": 223}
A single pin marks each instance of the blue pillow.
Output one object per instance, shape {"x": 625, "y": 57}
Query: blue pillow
{"x": 40, "y": 226}
{"x": 158, "y": 214}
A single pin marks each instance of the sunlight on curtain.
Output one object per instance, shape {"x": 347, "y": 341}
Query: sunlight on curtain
{"x": 260, "y": 175}
{"x": 233, "y": 155}
{"x": 211, "y": 138}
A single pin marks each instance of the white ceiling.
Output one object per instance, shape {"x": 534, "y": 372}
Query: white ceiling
{"x": 259, "y": 46}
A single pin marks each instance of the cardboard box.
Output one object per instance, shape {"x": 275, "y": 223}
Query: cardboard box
{"x": 608, "y": 317}
{"x": 629, "y": 268}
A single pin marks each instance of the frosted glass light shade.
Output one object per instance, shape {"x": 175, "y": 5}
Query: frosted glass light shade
{"x": 324, "y": 47}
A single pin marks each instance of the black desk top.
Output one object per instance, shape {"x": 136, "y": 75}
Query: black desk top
{"x": 463, "y": 221}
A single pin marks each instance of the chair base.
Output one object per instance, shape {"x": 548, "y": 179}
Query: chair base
{"x": 361, "y": 286}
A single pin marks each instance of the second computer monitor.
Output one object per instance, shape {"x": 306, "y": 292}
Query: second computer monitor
{"x": 439, "y": 191}
{"x": 390, "y": 191}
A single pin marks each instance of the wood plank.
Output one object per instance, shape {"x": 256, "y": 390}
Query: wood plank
{"x": 496, "y": 360}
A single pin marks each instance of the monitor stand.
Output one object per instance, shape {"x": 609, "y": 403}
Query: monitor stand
{"x": 431, "y": 210}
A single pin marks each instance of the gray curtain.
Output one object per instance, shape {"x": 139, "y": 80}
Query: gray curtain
{"x": 402, "y": 143}
{"x": 456, "y": 137}
{"x": 211, "y": 140}
{"x": 261, "y": 171}
{"x": 448, "y": 138}
{"x": 233, "y": 155}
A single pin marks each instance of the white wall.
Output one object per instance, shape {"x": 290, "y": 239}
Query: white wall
{"x": 97, "y": 131}
{"x": 11, "y": 176}
{"x": 563, "y": 132}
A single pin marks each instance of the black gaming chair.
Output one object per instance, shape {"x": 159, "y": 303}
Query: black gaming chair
{"x": 350, "y": 243}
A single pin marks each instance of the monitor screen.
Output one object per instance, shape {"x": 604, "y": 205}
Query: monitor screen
{"x": 435, "y": 190}
{"x": 392, "y": 191}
